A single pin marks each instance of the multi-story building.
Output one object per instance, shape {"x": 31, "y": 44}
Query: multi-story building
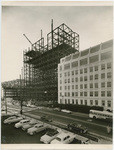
{"x": 85, "y": 77}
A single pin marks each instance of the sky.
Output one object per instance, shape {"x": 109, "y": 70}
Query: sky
{"x": 94, "y": 24}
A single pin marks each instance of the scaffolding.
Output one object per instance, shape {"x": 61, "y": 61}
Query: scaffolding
{"x": 41, "y": 62}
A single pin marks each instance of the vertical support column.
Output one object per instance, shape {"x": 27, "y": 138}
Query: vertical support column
{"x": 21, "y": 99}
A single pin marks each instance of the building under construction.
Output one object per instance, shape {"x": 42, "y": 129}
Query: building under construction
{"x": 40, "y": 63}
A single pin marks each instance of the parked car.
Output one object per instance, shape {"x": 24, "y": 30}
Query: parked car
{"x": 49, "y": 136}
{"x": 13, "y": 119}
{"x": 22, "y": 123}
{"x": 30, "y": 124}
{"x": 37, "y": 128}
{"x": 57, "y": 109}
{"x": 64, "y": 138}
{"x": 66, "y": 111}
{"x": 77, "y": 128}
{"x": 46, "y": 118}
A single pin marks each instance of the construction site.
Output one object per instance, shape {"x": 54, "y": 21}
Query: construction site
{"x": 39, "y": 79}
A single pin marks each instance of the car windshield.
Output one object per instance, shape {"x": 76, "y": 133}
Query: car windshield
{"x": 58, "y": 139}
{"x": 52, "y": 133}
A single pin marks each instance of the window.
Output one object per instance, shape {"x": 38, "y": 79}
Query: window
{"x": 72, "y": 101}
{"x": 85, "y": 78}
{"x": 103, "y": 103}
{"x": 68, "y": 101}
{"x": 68, "y": 73}
{"x": 91, "y": 102}
{"x": 81, "y": 93}
{"x": 65, "y": 94}
{"x": 109, "y": 75}
{"x": 96, "y": 68}
{"x": 68, "y": 87}
{"x": 109, "y": 103}
{"x": 91, "y": 93}
{"x": 76, "y": 93}
{"x": 60, "y": 101}
{"x": 85, "y": 102}
{"x": 96, "y": 93}
{"x": 76, "y": 72}
{"x": 68, "y": 80}
{"x": 91, "y": 69}
{"x": 72, "y": 79}
{"x": 68, "y": 93}
{"x": 65, "y": 87}
{"x": 85, "y": 93}
{"x": 77, "y": 101}
{"x": 91, "y": 77}
{"x": 96, "y": 102}
{"x": 103, "y": 84}
{"x": 81, "y": 71}
{"x": 67, "y": 66}
{"x": 76, "y": 86}
{"x": 74, "y": 64}
{"x": 72, "y": 93}
{"x": 83, "y": 61}
{"x": 65, "y": 101}
{"x": 72, "y": 86}
{"x": 60, "y": 87}
{"x": 108, "y": 93}
{"x": 60, "y": 81}
{"x": 65, "y": 74}
{"x": 81, "y": 101}
{"x": 72, "y": 72}
{"x": 102, "y": 75}
{"x": 96, "y": 76}
{"x": 103, "y": 67}
{"x": 85, "y": 70}
{"x": 93, "y": 59}
{"x": 60, "y": 68}
{"x": 106, "y": 55}
{"x": 96, "y": 85}
{"x": 65, "y": 81}
{"x": 85, "y": 86}
{"x": 102, "y": 93}
{"x": 108, "y": 65}
{"x": 81, "y": 86}
{"x": 81, "y": 78}
{"x": 108, "y": 84}
{"x": 76, "y": 79}
{"x": 91, "y": 85}
{"x": 60, "y": 94}
{"x": 60, "y": 75}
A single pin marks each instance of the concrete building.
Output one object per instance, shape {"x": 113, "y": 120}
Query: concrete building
{"x": 85, "y": 77}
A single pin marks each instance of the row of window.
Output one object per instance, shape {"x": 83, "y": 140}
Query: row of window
{"x": 85, "y": 78}
{"x": 91, "y": 59}
{"x": 85, "y": 70}
{"x": 91, "y": 94}
{"x": 85, "y": 102}
{"x": 91, "y": 85}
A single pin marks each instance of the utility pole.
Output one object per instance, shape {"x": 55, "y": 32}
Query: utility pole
{"x": 5, "y": 100}
{"x": 21, "y": 100}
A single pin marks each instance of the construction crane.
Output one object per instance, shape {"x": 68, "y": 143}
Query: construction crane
{"x": 27, "y": 39}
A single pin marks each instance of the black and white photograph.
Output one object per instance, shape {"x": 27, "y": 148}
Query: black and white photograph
{"x": 57, "y": 73}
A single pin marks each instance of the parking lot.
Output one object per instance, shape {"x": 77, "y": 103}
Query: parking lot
{"x": 11, "y": 135}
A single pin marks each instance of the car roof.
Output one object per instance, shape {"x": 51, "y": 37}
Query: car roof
{"x": 62, "y": 135}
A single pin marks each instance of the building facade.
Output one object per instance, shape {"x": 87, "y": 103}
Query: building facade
{"x": 85, "y": 77}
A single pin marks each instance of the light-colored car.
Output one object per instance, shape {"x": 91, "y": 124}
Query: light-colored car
{"x": 64, "y": 138}
{"x": 37, "y": 128}
{"x": 30, "y": 124}
{"x": 49, "y": 136}
{"x": 13, "y": 119}
{"x": 66, "y": 111}
{"x": 22, "y": 123}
